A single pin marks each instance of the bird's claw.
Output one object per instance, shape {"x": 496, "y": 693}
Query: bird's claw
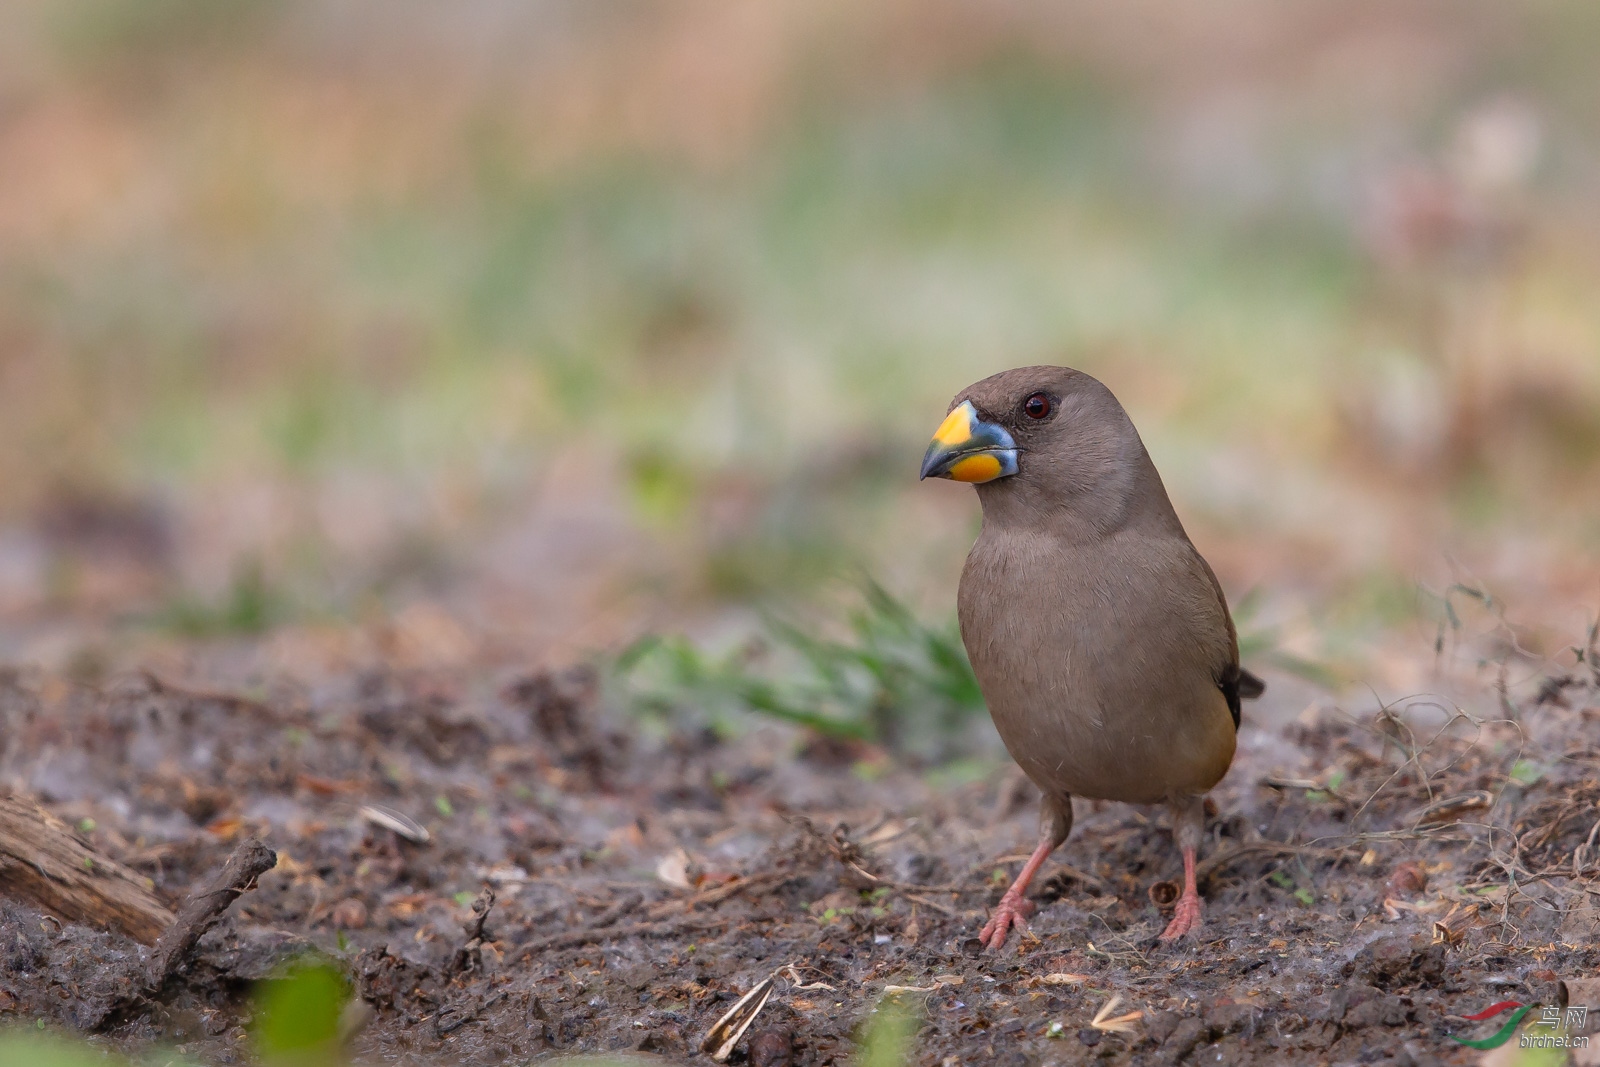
{"x": 1012, "y": 911}
{"x": 1185, "y": 918}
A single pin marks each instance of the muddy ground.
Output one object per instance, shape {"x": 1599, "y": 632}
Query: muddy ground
{"x": 645, "y": 880}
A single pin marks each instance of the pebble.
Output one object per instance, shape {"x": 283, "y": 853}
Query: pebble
{"x": 772, "y": 1047}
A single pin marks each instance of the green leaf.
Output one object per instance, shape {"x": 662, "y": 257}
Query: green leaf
{"x": 1526, "y": 772}
{"x": 20, "y": 1047}
{"x": 896, "y": 682}
{"x": 887, "y": 1035}
{"x": 297, "y": 1016}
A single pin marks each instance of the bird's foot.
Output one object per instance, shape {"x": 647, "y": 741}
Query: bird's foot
{"x": 1185, "y": 917}
{"x": 1012, "y": 911}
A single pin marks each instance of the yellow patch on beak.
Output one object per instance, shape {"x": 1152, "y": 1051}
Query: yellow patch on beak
{"x": 965, "y": 448}
{"x": 979, "y": 467}
{"x": 956, "y": 429}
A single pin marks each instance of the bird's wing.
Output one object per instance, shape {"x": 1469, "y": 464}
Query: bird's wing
{"x": 1236, "y": 683}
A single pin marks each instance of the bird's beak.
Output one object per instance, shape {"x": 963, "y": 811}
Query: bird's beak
{"x": 967, "y": 449}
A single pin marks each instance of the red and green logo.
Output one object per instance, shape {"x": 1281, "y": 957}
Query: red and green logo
{"x": 1502, "y": 1035}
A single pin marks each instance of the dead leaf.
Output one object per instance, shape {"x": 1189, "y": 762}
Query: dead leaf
{"x": 1407, "y": 880}
{"x": 725, "y": 1033}
{"x": 789, "y": 971}
{"x": 392, "y": 820}
{"x": 1122, "y": 1024}
{"x": 674, "y": 869}
{"x": 938, "y": 981}
{"x": 1453, "y": 927}
{"x": 1063, "y": 978}
{"x": 1453, "y": 808}
{"x": 888, "y": 832}
{"x": 226, "y": 828}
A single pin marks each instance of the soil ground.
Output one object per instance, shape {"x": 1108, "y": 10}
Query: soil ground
{"x": 643, "y": 881}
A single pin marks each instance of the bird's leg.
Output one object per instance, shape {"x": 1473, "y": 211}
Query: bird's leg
{"x": 1188, "y": 824}
{"x": 1186, "y": 915}
{"x": 1013, "y": 909}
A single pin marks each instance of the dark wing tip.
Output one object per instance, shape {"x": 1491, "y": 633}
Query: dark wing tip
{"x": 1239, "y": 685}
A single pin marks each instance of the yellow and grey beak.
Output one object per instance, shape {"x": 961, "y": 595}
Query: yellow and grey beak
{"x": 967, "y": 449}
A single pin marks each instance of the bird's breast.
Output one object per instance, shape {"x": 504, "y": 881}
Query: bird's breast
{"x": 1098, "y": 663}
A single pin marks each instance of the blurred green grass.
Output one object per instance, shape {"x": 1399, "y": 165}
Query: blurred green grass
{"x": 893, "y": 680}
{"x": 297, "y": 1022}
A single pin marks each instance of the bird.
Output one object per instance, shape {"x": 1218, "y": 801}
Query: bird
{"x": 1099, "y": 636}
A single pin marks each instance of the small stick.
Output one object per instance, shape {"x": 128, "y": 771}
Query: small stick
{"x": 616, "y": 911}
{"x": 717, "y": 894}
{"x": 589, "y": 935}
{"x": 200, "y": 912}
{"x": 934, "y": 904}
{"x": 204, "y": 907}
{"x": 470, "y": 955}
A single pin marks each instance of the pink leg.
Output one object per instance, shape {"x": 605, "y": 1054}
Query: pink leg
{"x": 1013, "y": 909}
{"x": 1186, "y": 916}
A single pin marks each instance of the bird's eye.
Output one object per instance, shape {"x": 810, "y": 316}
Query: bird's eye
{"x": 1036, "y": 406}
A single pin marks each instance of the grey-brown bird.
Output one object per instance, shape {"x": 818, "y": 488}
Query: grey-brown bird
{"x": 1100, "y": 637}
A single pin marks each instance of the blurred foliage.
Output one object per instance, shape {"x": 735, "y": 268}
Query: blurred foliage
{"x": 250, "y": 606}
{"x": 21, "y": 1048}
{"x": 896, "y": 681}
{"x": 888, "y": 1033}
{"x": 1262, "y": 647}
{"x": 297, "y": 1024}
{"x": 96, "y": 33}
{"x": 243, "y": 258}
{"x": 298, "y": 1017}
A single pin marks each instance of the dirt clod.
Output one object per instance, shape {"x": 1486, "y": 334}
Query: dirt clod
{"x": 1400, "y": 960}
{"x": 1381, "y": 1009}
{"x": 772, "y": 1047}
{"x": 1407, "y": 881}
{"x": 1184, "y": 1038}
{"x": 1229, "y": 1017}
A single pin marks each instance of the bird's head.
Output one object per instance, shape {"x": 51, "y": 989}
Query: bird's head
{"x": 1042, "y": 438}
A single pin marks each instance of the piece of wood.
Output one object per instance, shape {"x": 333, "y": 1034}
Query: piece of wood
{"x": 45, "y": 864}
{"x": 174, "y": 950}
{"x": 204, "y": 907}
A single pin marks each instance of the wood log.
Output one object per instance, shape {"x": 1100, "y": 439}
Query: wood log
{"x": 45, "y": 864}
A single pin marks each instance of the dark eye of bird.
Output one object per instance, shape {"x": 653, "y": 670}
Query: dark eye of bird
{"x": 1036, "y": 406}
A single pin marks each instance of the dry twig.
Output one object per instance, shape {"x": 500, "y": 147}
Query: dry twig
{"x": 203, "y": 908}
{"x": 725, "y": 1033}
{"x": 175, "y": 947}
{"x": 590, "y": 934}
